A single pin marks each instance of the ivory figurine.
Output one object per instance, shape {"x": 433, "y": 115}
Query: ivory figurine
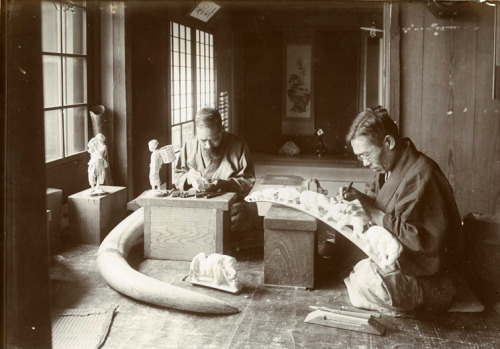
{"x": 155, "y": 166}
{"x": 97, "y": 164}
{"x": 215, "y": 270}
{"x": 385, "y": 245}
{"x": 312, "y": 201}
{"x": 337, "y": 212}
{"x": 159, "y": 157}
{"x": 288, "y": 195}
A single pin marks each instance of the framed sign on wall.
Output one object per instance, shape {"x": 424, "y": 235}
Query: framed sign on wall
{"x": 298, "y": 90}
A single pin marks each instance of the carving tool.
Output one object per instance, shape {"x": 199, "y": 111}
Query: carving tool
{"x": 356, "y": 310}
{"x": 346, "y": 322}
{"x": 343, "y": 312}
{"x": 346, "y": 190}
{"x": 212, "y": 195}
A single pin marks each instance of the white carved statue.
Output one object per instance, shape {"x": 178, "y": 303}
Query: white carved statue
{"x": 97, "y": 164}
{"x": 155, "y": 165}
{"x": 337, "y": 212}
{"x": 288, "y": 195}
{"x": 312, "y": 201}
{"x": 215, "y": 270}
{"x": 161, "y": 156}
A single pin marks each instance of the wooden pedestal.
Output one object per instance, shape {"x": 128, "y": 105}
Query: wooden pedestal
{"x": 91, "y": 218}
{"x": 290, "y": 246}
{"x": 180, "y": 228}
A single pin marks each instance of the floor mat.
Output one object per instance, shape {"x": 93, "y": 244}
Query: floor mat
{"x": 81, "y": 328}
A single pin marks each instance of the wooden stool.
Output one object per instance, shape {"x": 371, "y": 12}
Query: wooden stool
{"x": 180, "y": 228}
{"x": 290, "y": 246}
{"x": 91, "y": 218}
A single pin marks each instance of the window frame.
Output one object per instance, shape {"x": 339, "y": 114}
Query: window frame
{"x": 63, "y": 106}
{"x": 194, "y": 27}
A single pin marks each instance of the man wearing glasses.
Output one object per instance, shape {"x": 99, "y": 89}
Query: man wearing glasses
{"x": 411, "y": 198}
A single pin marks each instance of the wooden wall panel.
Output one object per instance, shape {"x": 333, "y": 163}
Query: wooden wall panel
{"x": 115, "y": 89}
{"x": 446, "y": 104}
{"x": 448, "y": 98}
{"x": 392, "y": 83}
{"x": 412, "y": 43}
{"x": 486, "y": 151}
{"x": 460, "y": 100}
{"x": 150, "y": 59}
{"x": 434, "y": 126}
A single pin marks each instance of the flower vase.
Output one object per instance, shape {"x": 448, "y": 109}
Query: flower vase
{"x": 321, "y": 150}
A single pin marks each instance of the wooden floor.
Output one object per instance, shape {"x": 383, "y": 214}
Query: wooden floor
{"x": 269, "y": 317}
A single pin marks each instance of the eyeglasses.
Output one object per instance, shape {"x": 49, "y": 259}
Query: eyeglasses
{"x": 363, "y": 157}
{"x": 367, "y": 156}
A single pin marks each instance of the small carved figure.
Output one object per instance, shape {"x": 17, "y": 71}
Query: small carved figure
{"x": 337, "y": 212}
{"x": 385, "y": 245}
{"x": 155, "y": 165}
{"x": 312, "y": 201}
{"x": 97, "y": 164}
{"x": 269, "y": 194}
{"x": 288, "y": 195}
{"x": 215, "y": 270}
{"x": 255, "y": 196}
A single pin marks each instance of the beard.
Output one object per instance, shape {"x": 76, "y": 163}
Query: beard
{"x": 213, "y": 153}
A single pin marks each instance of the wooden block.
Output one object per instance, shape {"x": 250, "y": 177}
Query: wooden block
{"x": 91, "y": 218}
{"x": 280, "y": 217}
{"x": 290, "y": 244}
{"x": 53, "y": 203}
{"x": 482, "y": 255}
{"x": 180, "y": 228}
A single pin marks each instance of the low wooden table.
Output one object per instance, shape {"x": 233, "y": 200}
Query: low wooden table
{"x": 180, "y": 228}
{"x": 290, "y": 247}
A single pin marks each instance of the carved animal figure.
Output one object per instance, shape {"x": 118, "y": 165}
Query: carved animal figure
{"x": 269, "y": 194}
{"x": 217, "y": 268}
{"x": 336, "y": 212}
{"x": 255, "y": 196}
{"x": 312, "y": 201}
{"x": 385, "y": 245}
{"x": 288, "y": 195}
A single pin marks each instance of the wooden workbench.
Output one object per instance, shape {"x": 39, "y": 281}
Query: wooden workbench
{"x": 180, "y": 228}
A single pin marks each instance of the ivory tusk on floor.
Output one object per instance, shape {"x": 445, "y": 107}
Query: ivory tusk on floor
{"x": 114, "y": 268}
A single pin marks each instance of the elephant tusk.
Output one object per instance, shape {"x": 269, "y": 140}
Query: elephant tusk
{"x": 114, "y": 268}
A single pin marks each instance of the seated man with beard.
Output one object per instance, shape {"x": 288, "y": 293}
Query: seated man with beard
{"x": 222, "y": 160}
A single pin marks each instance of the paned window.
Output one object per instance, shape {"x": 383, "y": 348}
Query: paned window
{"x": 64, "y": 57}
{"x": 192, "y": 82}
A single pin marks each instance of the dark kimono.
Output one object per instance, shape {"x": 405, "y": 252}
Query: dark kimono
{"x": 234, "y": 168}
{"x": 420, "y": 210}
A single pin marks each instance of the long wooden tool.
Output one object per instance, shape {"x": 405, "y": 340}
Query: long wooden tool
{"x": 342, "y": 312}
{"x": 346, "y": 322}
{"x": 114, "y": 268}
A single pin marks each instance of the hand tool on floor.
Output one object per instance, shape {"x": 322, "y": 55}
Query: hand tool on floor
{"x": 345, "y": 320}
{"x": 357, "y": 310}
